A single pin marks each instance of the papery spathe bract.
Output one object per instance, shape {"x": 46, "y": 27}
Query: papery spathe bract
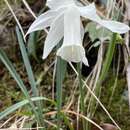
{"x": 63, "y": 18}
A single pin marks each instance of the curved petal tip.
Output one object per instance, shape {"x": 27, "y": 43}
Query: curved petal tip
{"x": 85, "y": 61}
{"x": 115, "y": 26}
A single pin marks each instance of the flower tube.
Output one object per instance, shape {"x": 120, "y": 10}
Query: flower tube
{"x": 72, "y": 49}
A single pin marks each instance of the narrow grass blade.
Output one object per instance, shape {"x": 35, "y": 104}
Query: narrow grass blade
{"x": 26, "y": 62}
{"x": 105, "y": 69}
{"x": 29, "y": 71}
{"x": 18, "y": 105}
{"x": 109, "y": 56}
{"x": 15, "y": 75}
{"x": 31, "y": 45}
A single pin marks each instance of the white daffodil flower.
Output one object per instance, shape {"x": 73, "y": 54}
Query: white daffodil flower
{"x": 64, "y": 21}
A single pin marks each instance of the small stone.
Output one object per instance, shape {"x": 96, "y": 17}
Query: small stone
{"x": 107, "y": 126}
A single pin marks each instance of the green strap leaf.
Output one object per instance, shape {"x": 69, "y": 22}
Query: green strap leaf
{"x": 60, "y": 74}
{"x": 27, "y": 62}
{"x": 20, "y": 104}
{"x": 15, "y": 75}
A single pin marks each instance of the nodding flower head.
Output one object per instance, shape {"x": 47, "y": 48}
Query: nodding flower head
{"x": 64, "y": 21}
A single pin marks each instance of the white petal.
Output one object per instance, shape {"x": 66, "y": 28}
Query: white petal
{"x": 115, "y": 26}
{"x": 90, "y": 13}
{"x": 72, "y": 49}
{"x": 54, "y": 4}
{"x": 54, "y": 36}
{"x": 42, "y": 21}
